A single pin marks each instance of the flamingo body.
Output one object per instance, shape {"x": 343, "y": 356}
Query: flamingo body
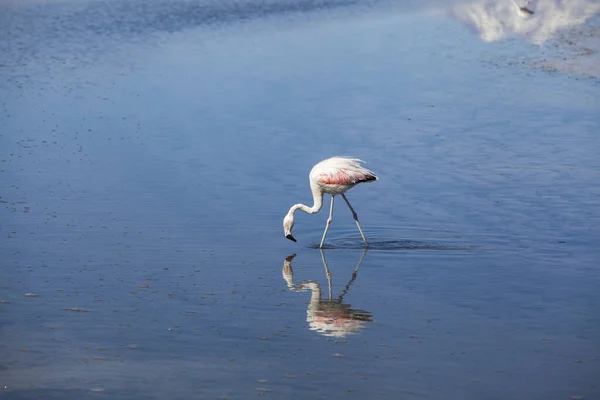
{"x": 336, "y": 175}
{"x": 333, "y": 176}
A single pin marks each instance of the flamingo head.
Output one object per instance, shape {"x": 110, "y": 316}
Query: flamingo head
{"x": 288, "y": 224}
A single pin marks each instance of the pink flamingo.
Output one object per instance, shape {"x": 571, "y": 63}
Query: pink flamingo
{"x": 333, "y": 176}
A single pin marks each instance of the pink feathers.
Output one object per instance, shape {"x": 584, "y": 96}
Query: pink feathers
{"x": 342, "y": 177}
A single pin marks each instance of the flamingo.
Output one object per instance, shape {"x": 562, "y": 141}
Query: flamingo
{"x": 333, "y": 176}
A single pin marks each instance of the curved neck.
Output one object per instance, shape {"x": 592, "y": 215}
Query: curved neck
{"x": 315, "y": 297}
{"x": 317, "y": 200}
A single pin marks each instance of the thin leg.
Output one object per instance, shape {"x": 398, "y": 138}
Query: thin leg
{"x": 327, "y": 273}
{"x": 362, "y": 257}
{"x": 328, "y": 222}
{"x": 355, "y": 219}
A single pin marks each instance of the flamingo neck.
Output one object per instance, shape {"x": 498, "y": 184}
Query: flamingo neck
{"x": 317, "y": 202}
{"x": 315, "y": 297}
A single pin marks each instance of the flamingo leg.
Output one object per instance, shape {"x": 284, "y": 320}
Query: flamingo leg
{"x": 328, "y": 222}
{"x": 355, "y": 216}
{"x": 327, "y": 273}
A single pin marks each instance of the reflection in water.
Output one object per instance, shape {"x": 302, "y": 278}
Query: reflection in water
{"x": 535, "y": 20}
{"x": 330, "y": 317}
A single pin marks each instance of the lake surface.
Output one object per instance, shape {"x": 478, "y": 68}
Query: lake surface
{"x": 150, "y": 150}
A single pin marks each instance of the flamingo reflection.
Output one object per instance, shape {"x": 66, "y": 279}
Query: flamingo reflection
{"x": 329, "y": 317}
{"x": 535, "y": 21}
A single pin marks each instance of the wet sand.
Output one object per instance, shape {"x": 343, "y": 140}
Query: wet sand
{"x": 575, "y": 51}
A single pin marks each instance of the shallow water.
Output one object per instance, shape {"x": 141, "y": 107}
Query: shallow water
{"x": 147, "y": 162}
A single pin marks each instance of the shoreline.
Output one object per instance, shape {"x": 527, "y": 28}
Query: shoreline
{"x": 575, "y": 50}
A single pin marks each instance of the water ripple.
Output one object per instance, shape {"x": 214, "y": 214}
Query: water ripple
{"x": 395, "y": 244}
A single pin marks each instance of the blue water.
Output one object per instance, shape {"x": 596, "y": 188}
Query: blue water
{"x": 148, "y": 154}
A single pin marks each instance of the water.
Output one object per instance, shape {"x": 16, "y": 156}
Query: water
{"x": 147, "y": 162}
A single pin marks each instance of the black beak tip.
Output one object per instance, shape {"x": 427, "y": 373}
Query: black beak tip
{"x": 290, "y": 237}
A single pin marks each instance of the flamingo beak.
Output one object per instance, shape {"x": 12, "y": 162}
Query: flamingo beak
{"x": 290, "y": 237}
